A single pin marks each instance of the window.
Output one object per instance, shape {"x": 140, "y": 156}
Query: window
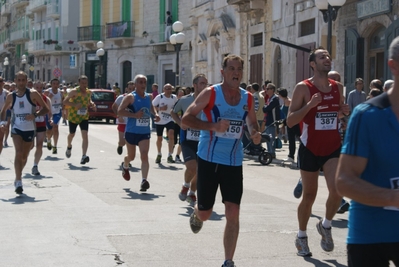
{"x": 307, "y": 27}
{"x": 257, "y": 39}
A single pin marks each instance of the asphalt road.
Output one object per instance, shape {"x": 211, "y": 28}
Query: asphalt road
{"x": 88, "y": 215}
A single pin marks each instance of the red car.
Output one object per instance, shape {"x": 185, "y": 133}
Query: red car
{"x": 103, "y": 99}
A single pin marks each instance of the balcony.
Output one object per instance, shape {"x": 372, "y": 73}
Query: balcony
{"x": 53, "y": 9}
{"x": 120, "y": 32}
{"x": 36, "y": 5}
{"x": 36, "y": 47}
{"x": 5, "y": 9}
{"x": 19, "y": 36}
{"x": 89, "y": 35}
{"x": 19, "y": 3}
{"x": 61, "y": 47}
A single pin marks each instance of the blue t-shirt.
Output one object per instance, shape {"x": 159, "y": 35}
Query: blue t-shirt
{"x": 373, "y": 133}
{"x": 224, "y": 148}
{"x": 142, "y": 125}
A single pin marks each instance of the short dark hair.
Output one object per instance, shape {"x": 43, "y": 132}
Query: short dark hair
{"x": 197, "y": 77}
{"x": 312, "y": 54}
{"x": 232, "y": 57}
{"x": 255, "y": 86}
{"x": 282, "y": 91}
{"x": 267, "y": 82}
{"x": 358, "y": 80}
{"x": 54, "y": 79}
{"x": 243, "y": 85}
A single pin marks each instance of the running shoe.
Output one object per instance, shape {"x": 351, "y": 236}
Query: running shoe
{"x": 35, "y": 170}
{"x": 298, "y": 189}
{"x": 18, "y": 187}
{"x": 119, "y": 150}
{"x": 68, "y": 152}
{"x": 5, "y": 144}
{"x": 85, "y": 159}
{"x": 301, "y": 244}
{"x": 144, "y": 185}
{"x": 125, "y": 173}
{"x": 49, "y": 146}
{"x": 191, "y": 199}
{"x": 177, "y": 159}
{"x": 170, "y": 159}
{"x": 228, "y": 263}
{"x": 344, "y": 207}
{"x": 54, "y": 150}
{"x": 183, "y": 193}
{"x": 158, "y": 160}
{"x": 327, "y": 242}
{"x": 288, "y": 159}
{"x": 195, "y": 223}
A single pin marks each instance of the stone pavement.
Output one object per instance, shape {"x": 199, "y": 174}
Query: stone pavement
{"x": 87, "y": 215}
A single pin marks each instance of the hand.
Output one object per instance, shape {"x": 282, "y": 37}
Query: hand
{"x": 139, "y": 114}
{"x": 222, "y": 126}
{"x": 121, "y": 120}
{"x": 157, "y": 118}
{"x": 3, "y": 128}
{"x": 315, "y": 100}
{"x": 256, "y": 138}
{"x": 30, "y": 117}
{"x": 51, "y": 122}
{"x": 345, "y": 110}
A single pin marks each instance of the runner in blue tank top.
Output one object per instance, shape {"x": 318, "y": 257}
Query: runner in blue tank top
{"x": 225, "y": 108}
{"x": 137, "y": 107}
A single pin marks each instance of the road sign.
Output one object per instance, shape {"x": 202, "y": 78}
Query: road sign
{"x": 57, "y": 72}
{"x": 31, "y": 68}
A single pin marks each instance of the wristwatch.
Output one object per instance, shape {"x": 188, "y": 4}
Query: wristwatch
{"x": 35, "y": 114}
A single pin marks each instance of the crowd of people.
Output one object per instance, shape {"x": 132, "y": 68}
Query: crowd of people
{"x": 206, "y": 123}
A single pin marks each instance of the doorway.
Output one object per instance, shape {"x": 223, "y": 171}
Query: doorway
{"x": 376, "y": 55}
{"x": 126, "y": 74}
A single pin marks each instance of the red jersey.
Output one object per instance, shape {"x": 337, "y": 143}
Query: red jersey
{"x": 320, "y": 125}
{"x": 40, "y": 120}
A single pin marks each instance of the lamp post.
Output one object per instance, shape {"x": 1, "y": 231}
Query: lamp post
{"x": 100, "y": 52}
{"x": 6, "y": 63}
{"x": 329, "y": 8}
{"x": 177, "y": 39}
{"x": 23, "y": 61}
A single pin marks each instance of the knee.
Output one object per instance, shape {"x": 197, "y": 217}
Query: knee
{"x": 232, "y": 212}
{"x": 204, "y": 215}
{"x": 308, "y": 199}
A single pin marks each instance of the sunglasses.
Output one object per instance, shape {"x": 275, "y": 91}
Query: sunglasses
{"x": 269, "y": 88}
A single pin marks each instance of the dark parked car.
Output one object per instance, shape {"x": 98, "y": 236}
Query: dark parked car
{"x": 103, "y": 99}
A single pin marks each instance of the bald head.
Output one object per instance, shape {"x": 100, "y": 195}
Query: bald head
{"x": 334, "y": 75}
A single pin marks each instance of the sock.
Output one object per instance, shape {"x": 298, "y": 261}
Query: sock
{"x": 144, "y": 179}
{"x": 186, "y": 185}
{"x": 169, "y": 155}
{"x": 34, "y": 165}
{"x": 124, "y": 166}
{"x": 302, "y": 234}
{"x": 326, "y": 223}
{"x": 190, "y": 193}
{"x": 159, "y": 154}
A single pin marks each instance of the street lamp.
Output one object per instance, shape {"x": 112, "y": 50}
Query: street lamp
{"x": 177, "y": 39}
{"x": 6, "y": 63}
{"x": 23, "y": 61}
{"x": 100, "y": 52}
{"x": 329, "y": 8}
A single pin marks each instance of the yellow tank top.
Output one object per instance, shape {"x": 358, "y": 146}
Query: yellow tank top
{"x": 78, "y": 115}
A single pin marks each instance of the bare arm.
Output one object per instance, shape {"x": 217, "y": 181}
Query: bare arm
{"x": 300, "y": 104}
{"x": 344, "y": 109}
{"x": 253, "y": 126}
{"x": 349, "y": 184}
{"x": 7, "y": 105}
{"x": 176, "y": 118}
{"x": 128, "y": 100}
{"x": 190, "y": 116}
{"x": 71, "y": 95}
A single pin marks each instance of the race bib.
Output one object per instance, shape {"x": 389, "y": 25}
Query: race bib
{"x": 193, "y": 134}
{"x": 143, "y": 122}
{"x": 394, "y": 186}
{"x": 234, "y": 131}
{"x": 326, "y": 121}
{"x": 82, "y": 111}
{"x": 165, "y": 116}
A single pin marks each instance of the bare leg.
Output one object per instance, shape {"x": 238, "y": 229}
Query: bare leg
{"x": 171, "y": 136}
{"x": 21, "y": 155}
{"x": 39, "y": 147}
{"x": 334, "y": 199}
{"x": 85, "y": 142}
{"x": 144, "y": 146}
{"x": 310, "y": 184}
{"x": 232, "y": 211}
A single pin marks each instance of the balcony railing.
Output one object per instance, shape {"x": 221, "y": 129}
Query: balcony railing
{"x": 5, "y": 9}
{"x": 200, "y": 2}
{"x": 19, "y": 3}
{"x": 121, "y": 29}
{"x": 19, "y": 35}
{"x": 36, "y": 46}
{"x": 36, "y": 5}
{"x": 53, "y": 9}
{"x": 90, "y": 33}
{"x": 62, "y": 46}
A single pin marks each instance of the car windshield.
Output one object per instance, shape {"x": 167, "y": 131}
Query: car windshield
{"x": 102, "y": 96}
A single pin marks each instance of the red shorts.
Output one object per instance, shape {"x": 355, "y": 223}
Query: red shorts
{"x": 121, "y": 128}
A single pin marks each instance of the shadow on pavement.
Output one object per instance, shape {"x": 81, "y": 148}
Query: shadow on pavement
{"x": 336, "y": 223}
{"x": 140, "y": 195}
{"x": 319, "y": 263}
{"x": 172, "y": 168}
{"x": 53, "y": 158}
{"x": 22, "y": 199}
{"x": 36, "y": 177}
{"x": 214, "y": 216}
{"x": 79, "y": 168}
{"x": 3, "y": 168}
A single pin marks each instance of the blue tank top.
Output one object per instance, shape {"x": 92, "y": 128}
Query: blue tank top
{"x": 142, "y": 125}
{"x": 224, "y": 148}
